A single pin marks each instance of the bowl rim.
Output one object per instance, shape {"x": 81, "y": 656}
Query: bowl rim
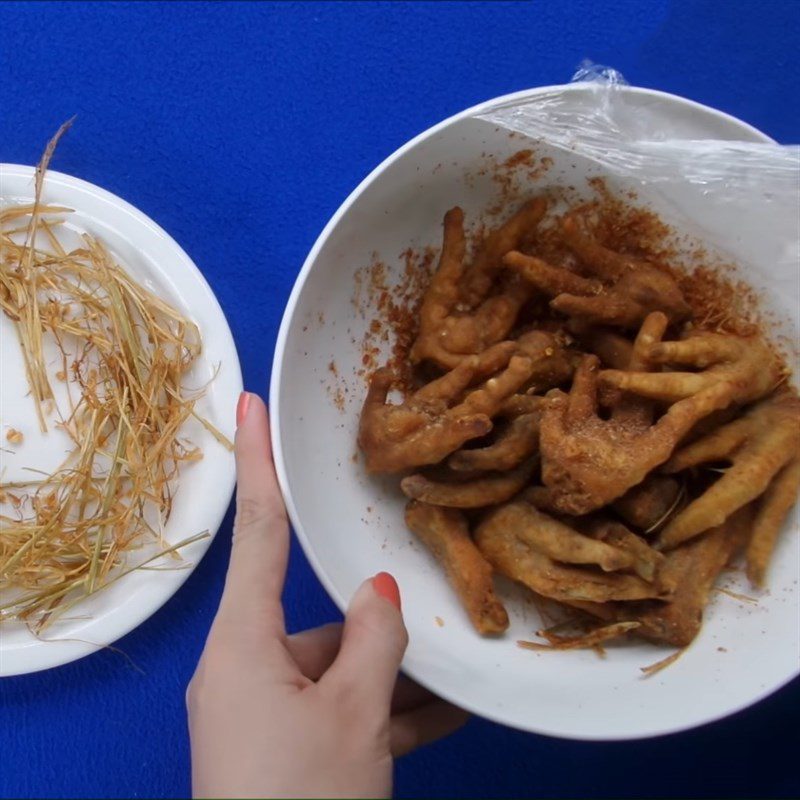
{"x": 320, "y": 571}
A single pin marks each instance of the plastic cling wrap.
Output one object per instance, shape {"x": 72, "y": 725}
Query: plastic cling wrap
{"x": 740, "y": 197}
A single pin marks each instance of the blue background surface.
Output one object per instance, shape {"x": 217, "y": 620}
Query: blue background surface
{"x": 240, "y": 128}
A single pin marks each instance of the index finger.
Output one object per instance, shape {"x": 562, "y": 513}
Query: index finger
{"x": 260, "y": 548}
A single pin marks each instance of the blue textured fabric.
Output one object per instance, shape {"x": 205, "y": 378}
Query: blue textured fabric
{"x": 240, "y": 128}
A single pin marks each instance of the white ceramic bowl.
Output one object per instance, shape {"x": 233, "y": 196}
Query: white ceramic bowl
{"x": 351, "y": 526}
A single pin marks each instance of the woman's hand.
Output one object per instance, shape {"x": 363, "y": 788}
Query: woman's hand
{"x": 317, "y": 714}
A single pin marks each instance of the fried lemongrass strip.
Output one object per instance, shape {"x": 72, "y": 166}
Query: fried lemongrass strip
{"x": 23, "y": 210}
{"x": 742, "y": 598}
{"x": 444, "y": 532}
{"x": 23, "y": 606}
{"x": 485, "y": 491}
{"x": 214, "y": 431}
{"x": 583, "y": 642}
{"x": 29, "y": 323}
{"x": 654, "y": 669}
{"x": 109, "y": 495}
{"x": 127, "y": 354}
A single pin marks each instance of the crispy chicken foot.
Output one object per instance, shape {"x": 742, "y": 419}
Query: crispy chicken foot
{"x": 485, "y": 491}
{"x": 645, "y": 559}
{"x": 741, "y": 368}
{"x": 516, "y": 557}
{"x": 426, "y": 428}
{"x": 488, "y": 261}
{"x": 625, "y": 291}
{"x": 692, "y": 570}
{"x": 758, "y": 446}
{"x": 444, "y": 532}
{"x": 451, "y": 326}
{"x": 775, "y": 506}
{"x": 516, "y": 442}
{"x": 588, "y": 462}
{"x": 554, "y": 539}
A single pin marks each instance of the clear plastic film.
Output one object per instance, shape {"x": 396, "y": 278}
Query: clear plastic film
{"x": 739, "y": 196}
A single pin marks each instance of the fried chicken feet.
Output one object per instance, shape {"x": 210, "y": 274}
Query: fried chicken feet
{"x": 426, "y": 428}
{"x": 517, "y": 553}
{"x": 759, "y": 446}
{"x": 456, "y": 322}
{"x": 692, "y": 570}
{"x": 625, "y": 291}
{"x": 485, "y": 491}
{"x": 586, "y": 461}
{"x": 444, "y": 532}
{"x": 741, "y": 369}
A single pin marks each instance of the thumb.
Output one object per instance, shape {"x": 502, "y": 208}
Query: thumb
{"x": 373, "y": 643}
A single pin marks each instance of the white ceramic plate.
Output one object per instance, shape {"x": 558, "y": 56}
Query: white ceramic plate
{"x": 154, "y": 258}
{"x": 351, "y": 526}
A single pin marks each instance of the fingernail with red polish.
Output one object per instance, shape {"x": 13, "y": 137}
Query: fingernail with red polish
{"x": 386, "y": 586}
{"x": 241, "y": 408}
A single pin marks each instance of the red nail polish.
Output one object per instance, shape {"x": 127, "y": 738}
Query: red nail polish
{"x": 241, "y": 407}
{"x": 386, "y": 586}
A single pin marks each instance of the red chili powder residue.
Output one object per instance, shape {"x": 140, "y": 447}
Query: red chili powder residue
{"x": 625, "y": 227}
{"x": 514, "y": 176}
{"x": 520, "y": 157}
{"x": 394, "y": 308}
{"x": 338, "y": 395}
{"x": 337, "y": 390}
